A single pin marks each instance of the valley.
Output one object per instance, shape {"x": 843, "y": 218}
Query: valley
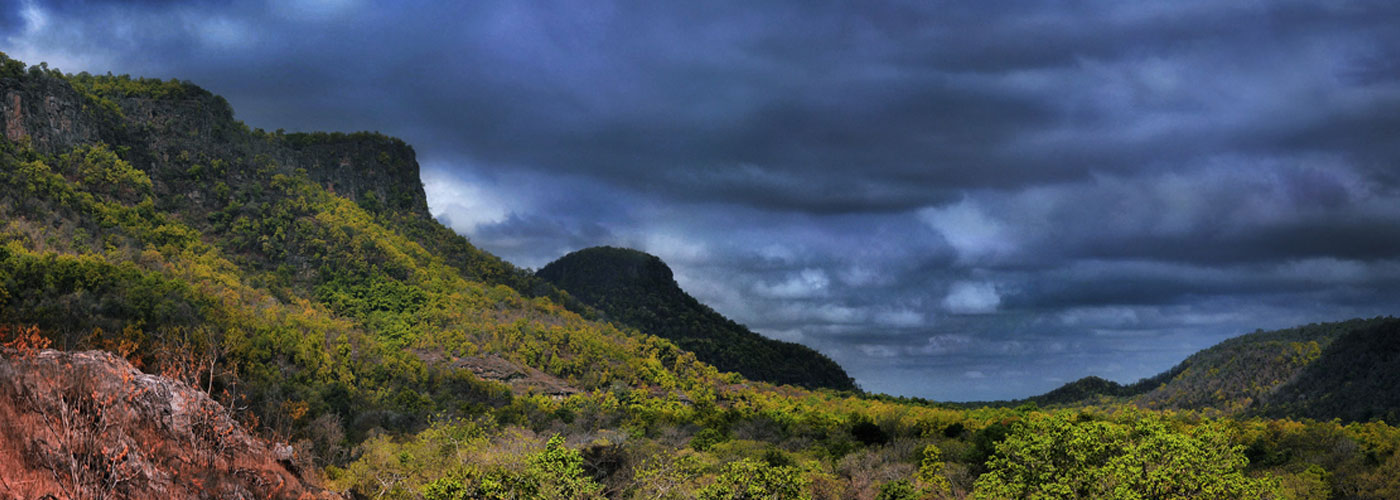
{"x": 340, "y": 342}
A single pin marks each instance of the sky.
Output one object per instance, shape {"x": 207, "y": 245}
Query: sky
{"x": 954, "y": 200}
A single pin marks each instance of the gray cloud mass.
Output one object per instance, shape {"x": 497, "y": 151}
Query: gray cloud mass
{"x": 955, "y": 200}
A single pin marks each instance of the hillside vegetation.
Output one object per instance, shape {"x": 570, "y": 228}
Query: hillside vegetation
{"x": 297, "y": 282}
{"x": 1354, "y": 378}
{"x": 1342, "y": 370}
{"x": 638, "y": 290}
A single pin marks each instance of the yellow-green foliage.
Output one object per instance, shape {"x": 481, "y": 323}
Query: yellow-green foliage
{"x": 333, "y": 336}
{"x": 100, "y": 170}
{"x": 750, "y": 479}
{"x": 931, "y": 479}
{"x": 125, "y": 86}
{"x": 457, "y": 459}
{"x": 1140, "y": 455}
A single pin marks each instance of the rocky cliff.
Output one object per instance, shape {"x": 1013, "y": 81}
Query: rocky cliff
{"x": 168, "y": 123}
{"x": 47, "y": 112}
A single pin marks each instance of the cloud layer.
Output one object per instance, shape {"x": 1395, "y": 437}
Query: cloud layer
{"x": 954, "y": 201}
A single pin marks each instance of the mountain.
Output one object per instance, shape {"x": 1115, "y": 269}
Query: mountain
{"x": 1320, "y": 371}
{"x": 299, "y": 274}
{"x": 638, "y": 290}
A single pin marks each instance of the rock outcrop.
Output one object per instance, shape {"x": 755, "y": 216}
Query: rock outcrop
{"x": 47, "y": 112}
{"x": 90, "y": 425}
{"x": 521, "y": 379}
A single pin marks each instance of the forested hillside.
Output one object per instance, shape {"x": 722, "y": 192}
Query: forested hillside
{"x": 296, "y": 281}
{"x": 638, "y": 290}
{"x": 1354, "y": 378}
{"x": 1322, "y": 371}
{"x": 303, "y": 259}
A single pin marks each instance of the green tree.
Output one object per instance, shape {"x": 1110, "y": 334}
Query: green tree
{"x": 558, "y": 470}
{"x": 10, "y": 68}
{"x": 100, "y": 170}
{"x": 898, "y": 490}
{"x": 751, "y": 479}
{"x": 930, "y": 474}
{"x": 1054, "y": 456}
{"x": 445, "y": 489}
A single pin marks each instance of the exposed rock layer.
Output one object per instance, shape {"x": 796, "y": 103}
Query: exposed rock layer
{"x": 90, "y": 425}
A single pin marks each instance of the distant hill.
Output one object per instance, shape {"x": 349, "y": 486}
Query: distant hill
{"x": 1345, "y": 370}
{"x": 1091, "y": 389}
{"x": 638, "y": 290}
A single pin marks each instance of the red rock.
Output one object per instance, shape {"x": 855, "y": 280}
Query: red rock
{"x": 89, "y": 425}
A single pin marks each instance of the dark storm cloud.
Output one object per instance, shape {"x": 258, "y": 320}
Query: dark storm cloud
{"x": 778, "y": 104}
{"x": 1101, "y": 283}
{"x": 953, "y": 199}
{"x": 536, "y": 240}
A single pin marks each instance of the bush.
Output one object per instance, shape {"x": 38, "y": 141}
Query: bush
{"x": 751, "y": 479}
{"x": 898, "y": 490}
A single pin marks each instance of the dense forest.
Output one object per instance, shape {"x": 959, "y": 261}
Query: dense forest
{"x": 298, "y": 281}
{"x": 638, "y": 290}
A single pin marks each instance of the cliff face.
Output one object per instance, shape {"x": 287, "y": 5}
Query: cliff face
{"x": 89, "y": 425}
{"x": 355, "y": 165}
{"x": 48, "y": 112}
{"x": 185, "y": 121}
